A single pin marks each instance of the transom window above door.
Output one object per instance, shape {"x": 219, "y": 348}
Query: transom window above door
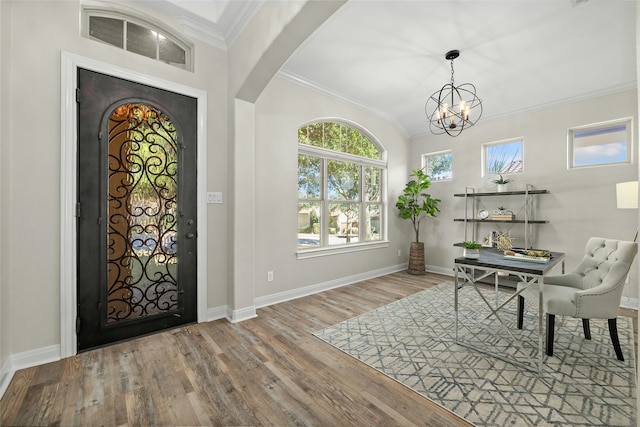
{"x": 341, "y": 187}
{"x": 137, "y": 36}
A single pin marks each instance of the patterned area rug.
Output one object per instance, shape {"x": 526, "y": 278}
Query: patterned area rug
{"x": 412, "y": 341}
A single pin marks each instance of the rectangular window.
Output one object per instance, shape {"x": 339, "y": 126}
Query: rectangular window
{"x": 503, "y": 157}
{"x": 600, "y": 144}
{"x": 438, "y": 165}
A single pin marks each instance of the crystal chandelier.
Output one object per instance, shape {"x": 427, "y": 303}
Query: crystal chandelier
{"x": 453, "y": 108}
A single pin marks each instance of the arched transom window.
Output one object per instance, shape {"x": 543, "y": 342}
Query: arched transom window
{"x": 137, "y": 36}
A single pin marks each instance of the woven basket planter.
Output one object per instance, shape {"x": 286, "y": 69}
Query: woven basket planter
{"x": 416, "y": 258}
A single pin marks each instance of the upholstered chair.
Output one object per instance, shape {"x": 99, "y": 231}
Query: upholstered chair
{"x": 592, "y": 291}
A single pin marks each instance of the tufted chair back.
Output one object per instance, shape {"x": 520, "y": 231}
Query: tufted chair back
{"x": 605, "y": 259}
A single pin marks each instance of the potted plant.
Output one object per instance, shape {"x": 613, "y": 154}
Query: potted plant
{"x": 502, "y": 183}
{"x": 416, "y": 205}
{"x": 471, "y": 250}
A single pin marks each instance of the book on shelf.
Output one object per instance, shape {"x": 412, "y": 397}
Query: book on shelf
{"x": 502, "y": 217}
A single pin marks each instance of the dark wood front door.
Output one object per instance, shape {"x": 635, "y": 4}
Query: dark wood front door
{"x": 136, "y": 209}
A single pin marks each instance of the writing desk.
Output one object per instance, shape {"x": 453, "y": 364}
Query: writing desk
{"x": 493, "y": 262}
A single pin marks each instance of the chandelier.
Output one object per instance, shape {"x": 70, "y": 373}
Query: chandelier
{"x": 453, "y": 108}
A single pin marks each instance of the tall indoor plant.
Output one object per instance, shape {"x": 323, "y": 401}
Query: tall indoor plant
{"x": 416, "y": 205}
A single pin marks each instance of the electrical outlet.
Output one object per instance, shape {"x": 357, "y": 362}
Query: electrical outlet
{"x": 399, "y": 252}
{"x": 269, "y": 276}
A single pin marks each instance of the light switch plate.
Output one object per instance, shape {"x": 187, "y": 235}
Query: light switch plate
{"x": 214, "y": 197}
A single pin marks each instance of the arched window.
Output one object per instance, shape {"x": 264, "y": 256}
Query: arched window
{"x": 137, "y": 36}
{"x": 341, "y": 183}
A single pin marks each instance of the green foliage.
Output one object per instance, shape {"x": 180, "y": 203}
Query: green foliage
{"x": 338, "y": 137}
{"x": 439, "y": 165}
{"x": 471, "y": 245}
{"x": 414, "y": 203}
{"x": 501, "y": 180}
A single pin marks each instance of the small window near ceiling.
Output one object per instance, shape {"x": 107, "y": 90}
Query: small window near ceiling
{"x": 503, "y": 157}
{"x": 137, "y": 36}
{"x": 438, "y": 165}
{"x": 600, "y": 144}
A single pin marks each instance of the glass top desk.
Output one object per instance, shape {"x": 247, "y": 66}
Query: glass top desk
{"x": 492, "y": 262}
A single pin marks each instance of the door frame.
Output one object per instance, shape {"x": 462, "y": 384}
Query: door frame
{"x": 69, "y": 64}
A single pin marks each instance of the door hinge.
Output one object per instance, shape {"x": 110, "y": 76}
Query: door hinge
{"x": 99, "y": 136}
{"x": 78, "y": 96}
{"x": 77, "y": 325}
{"x": 78, "y": 210}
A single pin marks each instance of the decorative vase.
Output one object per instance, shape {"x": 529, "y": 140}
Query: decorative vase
{"x": 416, "y": 258}
{"x": 502, "y": 188}
{"x": 471, "y": 253}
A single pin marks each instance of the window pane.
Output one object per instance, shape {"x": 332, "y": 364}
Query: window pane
{"x": 170, "y": 52}
{"x": 343, "y": 180}
{"x": 600, "y": 145}
{"x": 372, "y": 183}
{"x": 503, "y": 158}
{"x": 439, "y": 166}
{"x": 309, "y": 220}
{"x": 372, "y": 225}
{"x": 108, "y": 30}
{"x": 333, "y": 136}
{"x": 311, "y": 135}
{"x": 369, "y": 149}
{"x": 309, "y": 177}
{"x": 141, "y": 40}
{"x": 344, "y": 221}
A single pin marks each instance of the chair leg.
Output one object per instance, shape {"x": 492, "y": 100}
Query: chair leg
{"x": 587, "y": 330}
{"x": 551, "y": 324}
{"x": 613, "y": 331}
{"x": 520, "y": 310}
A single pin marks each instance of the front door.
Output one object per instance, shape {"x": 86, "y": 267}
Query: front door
{"x": 136, "y": 209}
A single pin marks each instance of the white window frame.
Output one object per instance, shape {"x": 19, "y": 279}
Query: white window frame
{"x": 170, "y": 35}
{"x": 325, "y": 155}
{"x": 425, "y": 160}
{"x": 627, "y": 121}
{"x": 484, "y": 155}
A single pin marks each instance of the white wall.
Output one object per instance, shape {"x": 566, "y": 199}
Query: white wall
{"x": 281, "y": 109}
{"x": 582, "y": 202}
{"x": 5, "y": 200}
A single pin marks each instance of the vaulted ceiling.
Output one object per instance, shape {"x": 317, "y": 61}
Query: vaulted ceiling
{"x": 388, "y": 56}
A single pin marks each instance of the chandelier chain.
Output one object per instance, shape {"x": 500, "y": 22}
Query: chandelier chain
{"x": 452, "y": 73}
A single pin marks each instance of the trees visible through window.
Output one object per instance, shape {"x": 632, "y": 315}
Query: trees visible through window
{"x": 503, "y": 157}
{"x": 340, "y": 182}
{"x": 600, "y": 144}
{"x": 438, "y": 165}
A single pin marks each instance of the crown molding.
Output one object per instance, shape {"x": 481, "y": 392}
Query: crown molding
{"x": 309, "y": 84}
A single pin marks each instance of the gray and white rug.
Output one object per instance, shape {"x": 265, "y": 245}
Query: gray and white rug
{"x": 412, "y": 341}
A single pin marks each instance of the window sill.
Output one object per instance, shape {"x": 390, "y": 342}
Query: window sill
{"x": 335, "y": 250}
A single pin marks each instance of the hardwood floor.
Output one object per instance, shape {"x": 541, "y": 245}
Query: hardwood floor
{"x": 266, "y": 371}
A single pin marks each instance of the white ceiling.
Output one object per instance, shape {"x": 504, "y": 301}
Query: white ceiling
{"x": 388, "y": 56}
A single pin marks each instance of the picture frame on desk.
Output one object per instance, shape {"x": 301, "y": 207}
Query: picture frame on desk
{"x": 488, "y": 240}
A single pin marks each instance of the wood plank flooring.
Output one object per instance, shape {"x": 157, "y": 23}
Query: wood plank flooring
{"x": 266, "y": 371}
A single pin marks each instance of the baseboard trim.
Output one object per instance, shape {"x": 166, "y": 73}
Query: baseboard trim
{"x": 279, "y": 297}
{"x": 439, "y": 270}
{"x": 24, "y": 360}
{"x": 217, "y": 313}
{"x": 631, "y": 303}
{"x": 235, "y": 316}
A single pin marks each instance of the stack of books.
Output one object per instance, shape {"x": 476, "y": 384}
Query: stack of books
{"x": 503, "y": 217}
